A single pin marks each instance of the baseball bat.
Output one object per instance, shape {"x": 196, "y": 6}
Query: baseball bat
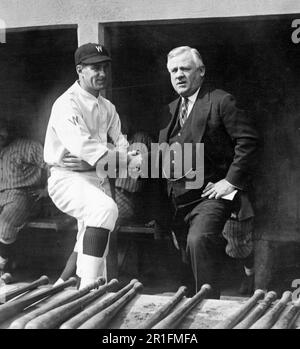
{"x": 43, "y": 280}
{"x": 287, "y": 319}
{"x": 93, "y": 309}
{"x": 174, "y": 318}
{"x": 100, "y": 320}
{"x": 236, "y": 317}
{"x": 268, "y": 320}
{"x": 165, "y": 310}
{"x": 55, "y": 317}
{"x": 21, "y": 322}
{"x": 14, "y": 307}
{"x": 258, "y": 311}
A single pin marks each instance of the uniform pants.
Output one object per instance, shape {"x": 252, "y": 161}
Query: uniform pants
{"x": 82, "y": 196}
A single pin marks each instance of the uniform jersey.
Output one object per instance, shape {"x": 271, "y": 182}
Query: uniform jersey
{"x": 80, "y": 124}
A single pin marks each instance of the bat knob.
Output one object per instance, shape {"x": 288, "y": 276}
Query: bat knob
{"x": 138, "y": 286}
{"x": 133, "y": 281}
{"x": 113, "y": 282}
{"x": 7, "y": 278}
{"x": 100, "y": 281}
{"x": 206, "y": 287}
{"x": 44, "y": 280}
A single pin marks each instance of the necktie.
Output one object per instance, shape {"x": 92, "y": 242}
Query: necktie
{"x": 183, "y": 111}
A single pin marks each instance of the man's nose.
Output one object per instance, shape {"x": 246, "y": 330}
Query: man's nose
{"x": 179, "y": 74}
{"x": 102, "y": 72}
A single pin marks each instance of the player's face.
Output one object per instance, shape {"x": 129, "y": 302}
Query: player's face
{"x": 185, "y": 75}
{"x": 3, "y": 137}
{"x": 93, "y": 77}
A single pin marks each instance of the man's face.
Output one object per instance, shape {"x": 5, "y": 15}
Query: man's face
{"x": 186, "y": 77}
{"x": 93, "y": 77}
{"x": 3, "y": 137}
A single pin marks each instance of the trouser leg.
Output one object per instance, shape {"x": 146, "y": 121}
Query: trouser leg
{"x": 205, "y": 244}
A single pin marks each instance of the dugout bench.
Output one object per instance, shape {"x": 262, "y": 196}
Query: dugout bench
{"x": 48, "y": 240}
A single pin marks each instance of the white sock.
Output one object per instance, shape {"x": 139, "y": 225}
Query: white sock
{"x": 249, "y": 271}
{"x": 89, "y": 268}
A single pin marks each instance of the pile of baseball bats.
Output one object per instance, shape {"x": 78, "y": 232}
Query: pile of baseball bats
{"x": 92, "y": 307}
{"x": 264, "y": 311}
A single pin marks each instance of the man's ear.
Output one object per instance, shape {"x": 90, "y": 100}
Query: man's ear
{"x": 79, "y": 68}
{"x": 202, "y": 71}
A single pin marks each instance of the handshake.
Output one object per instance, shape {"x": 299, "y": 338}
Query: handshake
{"x": 113, "y": 164}
{"x": 120, "y": 164}
{"x": 134, "y": 160}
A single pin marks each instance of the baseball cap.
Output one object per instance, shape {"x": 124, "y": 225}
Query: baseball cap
{"x": 91, "y": 53}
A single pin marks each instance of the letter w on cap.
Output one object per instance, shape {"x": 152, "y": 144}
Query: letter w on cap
{"x": 99, "y": 48}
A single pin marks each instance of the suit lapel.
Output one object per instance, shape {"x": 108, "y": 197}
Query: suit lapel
{"x": 165, "y": 132}
{"x": 199, "y": 114}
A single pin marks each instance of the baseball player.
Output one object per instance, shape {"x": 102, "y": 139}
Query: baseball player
{"x": 81, "y": 124}
{"x": 23, "y": 175}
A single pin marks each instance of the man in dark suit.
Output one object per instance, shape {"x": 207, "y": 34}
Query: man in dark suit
{"x": 203, "y": 114}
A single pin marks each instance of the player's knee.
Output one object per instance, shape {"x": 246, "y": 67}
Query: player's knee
{"x": 111, "y": 209}
{"x": 114, "y": 210}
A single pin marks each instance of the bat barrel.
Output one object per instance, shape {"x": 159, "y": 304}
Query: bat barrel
{"x": 93, "y": 309}
{"x": 55, "y": 317}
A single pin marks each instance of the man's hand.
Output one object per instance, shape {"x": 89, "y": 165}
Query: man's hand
{"x": 38, "y": 194}
{"x": 134, "y": 163}
{"x": 217, "y": 190}
{"x": 74, "y": 163}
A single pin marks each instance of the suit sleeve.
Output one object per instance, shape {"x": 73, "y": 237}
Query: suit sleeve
{"x": 245, "y": 139}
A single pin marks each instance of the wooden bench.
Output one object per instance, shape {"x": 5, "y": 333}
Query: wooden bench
{"x": 61, "y": 229}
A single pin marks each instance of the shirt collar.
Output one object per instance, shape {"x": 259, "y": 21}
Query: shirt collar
{"x": 193, "y": 97}
{"x": 84, "y": 92}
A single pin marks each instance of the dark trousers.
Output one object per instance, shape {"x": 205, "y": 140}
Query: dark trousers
{"x": 205, "y": 245}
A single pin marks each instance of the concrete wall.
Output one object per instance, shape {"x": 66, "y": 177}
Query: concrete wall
{"x": 24, "y": 13}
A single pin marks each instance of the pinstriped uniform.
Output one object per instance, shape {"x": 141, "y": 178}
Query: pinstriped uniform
{"x": 239, "y": 236}
{"x": 21, "y": 169}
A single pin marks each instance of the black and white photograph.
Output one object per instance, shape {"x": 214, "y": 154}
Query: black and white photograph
{"x": 148, "y": 167}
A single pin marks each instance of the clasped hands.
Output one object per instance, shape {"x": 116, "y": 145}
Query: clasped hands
{"x": 132, "y": 158}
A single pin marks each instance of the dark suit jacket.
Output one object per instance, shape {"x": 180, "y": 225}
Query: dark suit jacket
{"x": 229, "y": 137}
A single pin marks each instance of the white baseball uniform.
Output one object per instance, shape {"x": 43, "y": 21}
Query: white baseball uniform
{"x": 80, "y": 124}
